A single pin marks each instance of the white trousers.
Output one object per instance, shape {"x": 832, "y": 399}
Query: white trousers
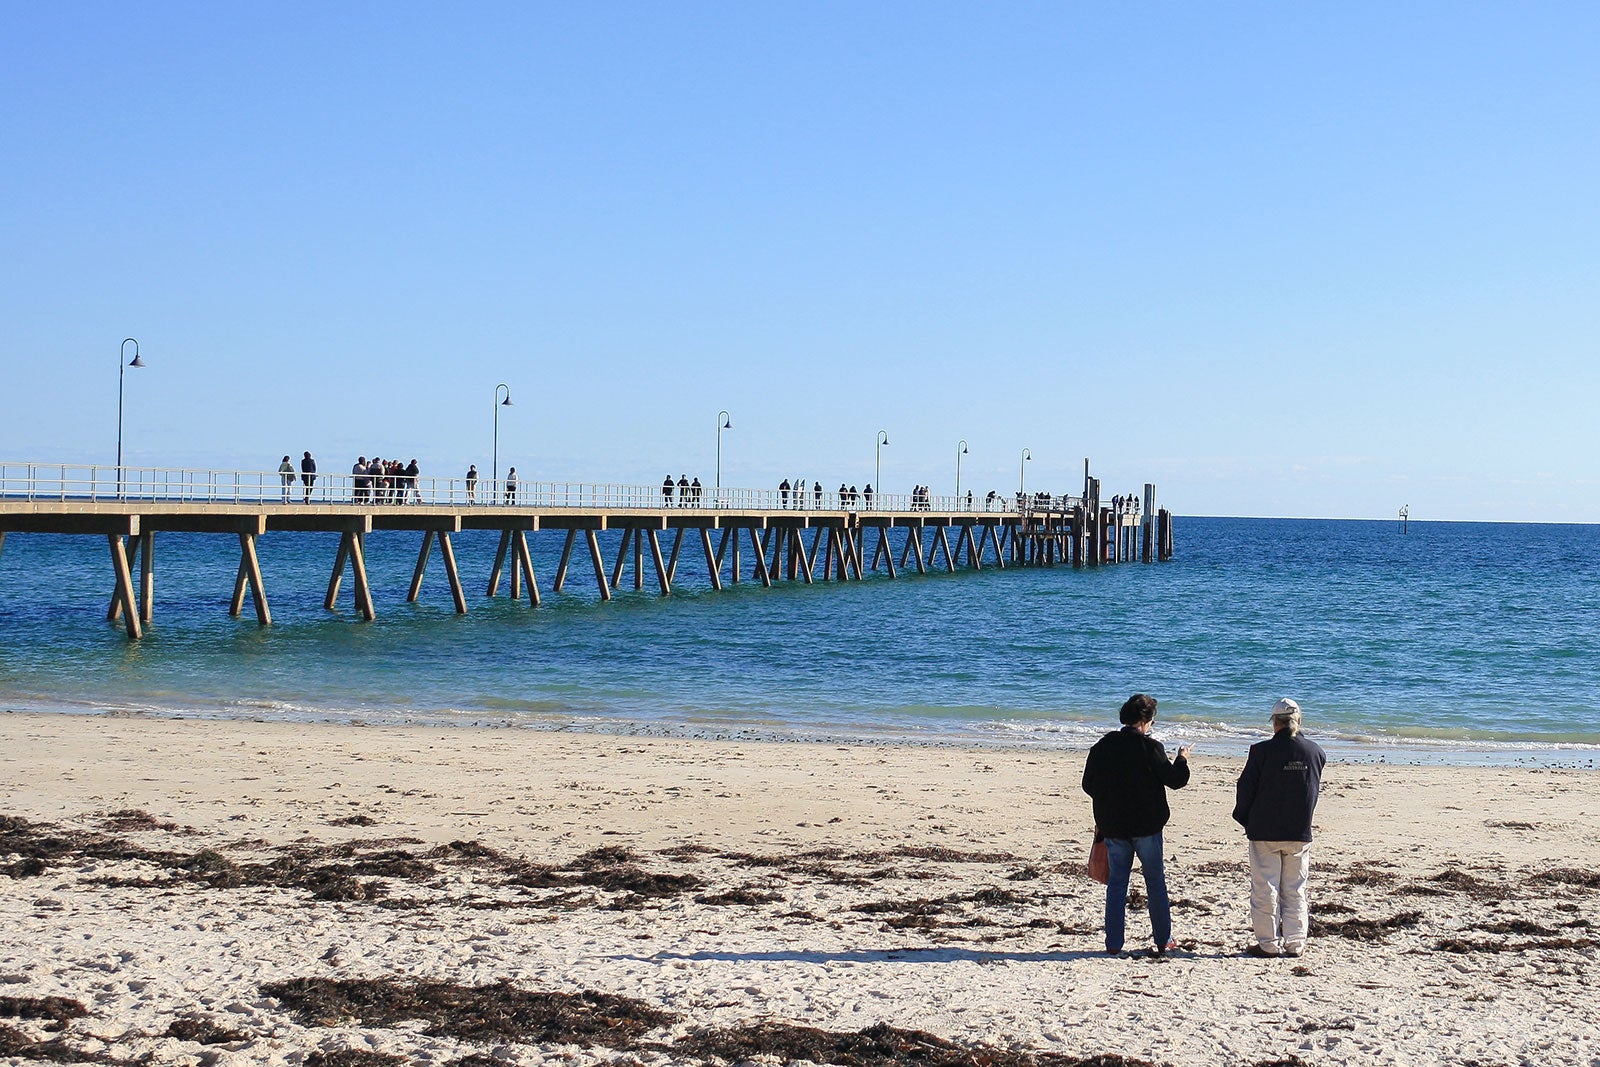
{"x": 1279, "y": 911}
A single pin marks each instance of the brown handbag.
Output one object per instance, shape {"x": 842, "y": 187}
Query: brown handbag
{"x": 1099, "y": 860}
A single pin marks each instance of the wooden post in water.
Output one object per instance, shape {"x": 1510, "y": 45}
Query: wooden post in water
{"x": 457, "y": 593}
{"x": 713, "y": 559}
{"x": 566, "y": 558}
{"x": 663, "y": 572}
{"x": 599, "y": 563}
{"x": 124, "y": 580}
{"x": 1164, "y": 527}
{"x": 1091, "y": 507}
{"x": 147, "y": 575}
{"x": 250, "y": 571}
{"x": 1148, "y": 522}
{"x": 524, "y": 563}
{"x": 500, "y": 563}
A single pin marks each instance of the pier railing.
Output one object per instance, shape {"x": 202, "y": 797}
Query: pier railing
{"x": 111, "y": 484}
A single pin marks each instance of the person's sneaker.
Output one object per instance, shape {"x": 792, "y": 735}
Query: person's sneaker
{"x": 1259, "y": 951}
{"x": 1294, "y": 950}
{"x": 1161, "y": 950}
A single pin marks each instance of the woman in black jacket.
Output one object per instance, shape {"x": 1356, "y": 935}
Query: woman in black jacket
{"x": 1128, "y": 775}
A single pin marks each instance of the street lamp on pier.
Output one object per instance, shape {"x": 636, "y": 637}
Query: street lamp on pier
{"x": 877, "y": 470}
{"x": 1022, "y": 477}
{"x": 724, "y": 422}
{"x": 494, "y": 475}
{"x": 121, "y": 370}
{"x": 961, "y": 450}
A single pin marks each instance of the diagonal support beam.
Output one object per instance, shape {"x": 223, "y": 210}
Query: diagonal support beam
{"x": 662, "y": 571}
{"x": 713, "y": 559}
{"x": 499, "y": 563}
{"x": 566, "y": 557}
{"x": 524, "y": 563}
{"x": 599, "y": 564}
{"x": 124, "y": 579}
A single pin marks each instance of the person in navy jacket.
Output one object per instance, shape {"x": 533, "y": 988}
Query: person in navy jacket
{"x": 1277, "y": 793}
{"x": 1128, "y": 775}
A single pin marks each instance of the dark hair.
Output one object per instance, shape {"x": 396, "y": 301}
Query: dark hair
{"x": 1139, "y": 708}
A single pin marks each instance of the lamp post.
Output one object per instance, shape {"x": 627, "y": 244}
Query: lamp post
{"x": 494, "y": 476}
{"x": 877, "y": 470}
{"x": 121, "y": 370}
{"x": 961, "y": 450}
{"x": 724, "y": 422}
{"x": 1022, "y": 476}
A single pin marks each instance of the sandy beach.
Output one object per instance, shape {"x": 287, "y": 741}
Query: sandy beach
{"x": 229, "y": 892}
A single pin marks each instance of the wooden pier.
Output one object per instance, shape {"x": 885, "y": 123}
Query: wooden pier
{"x": 785, "y": 539}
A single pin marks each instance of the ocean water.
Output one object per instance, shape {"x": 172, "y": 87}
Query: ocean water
{"x": 1455, "y": 642}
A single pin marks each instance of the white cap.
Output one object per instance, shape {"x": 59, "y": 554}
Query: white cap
{"x": 1285, "y": 707}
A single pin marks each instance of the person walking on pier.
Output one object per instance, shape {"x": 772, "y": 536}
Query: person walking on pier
{"x": 666, "y": 492}
{"x": 358, "y": 480}
{"x": 308, "y": 474}
{"x": 866, "y": 496}
{"x": 1128, "y": 775}
{"x": 683, "y": 491}
{"x": 695, "y": 488}
{"x": 511, "y": 486}
{"x": 286, "y": 472}
{"x": 472, "y": 481}
{"x": 413, "y": 472}
{"x": 1276, "y": 796}
{"x": 816, "y": 495}
{"x": 783, "y": 493}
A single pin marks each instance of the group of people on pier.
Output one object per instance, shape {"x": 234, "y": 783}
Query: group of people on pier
{"x": 690, "y": 493}
{"x": 384, "y": 481}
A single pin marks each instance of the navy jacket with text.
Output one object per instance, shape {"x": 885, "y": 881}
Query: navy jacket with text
{"x": 1278, "y": 788}
{"x": 1128, "y": 775}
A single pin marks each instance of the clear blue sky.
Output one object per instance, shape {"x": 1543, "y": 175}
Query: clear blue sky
{"x": 1318, "y": 260}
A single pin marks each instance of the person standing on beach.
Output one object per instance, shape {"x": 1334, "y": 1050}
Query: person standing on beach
{"x": 308, "y": 474}
{"x": 1128, "y": 775}
{"x": 1276, "y": 796}
{"x": 286, "y": 472}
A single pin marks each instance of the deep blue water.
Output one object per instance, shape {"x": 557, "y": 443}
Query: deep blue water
{"x": 1456, "y": 641}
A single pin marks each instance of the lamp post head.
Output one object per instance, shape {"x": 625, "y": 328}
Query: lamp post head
{"x": 506, "y": 402}
{"x": 727, "y": 424}
{"x": 136, "y": 361}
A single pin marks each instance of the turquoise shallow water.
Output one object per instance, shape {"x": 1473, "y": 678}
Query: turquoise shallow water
{"x": 1456, "y": 642}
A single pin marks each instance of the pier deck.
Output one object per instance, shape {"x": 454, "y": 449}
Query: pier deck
{"x": 843, "y": 539}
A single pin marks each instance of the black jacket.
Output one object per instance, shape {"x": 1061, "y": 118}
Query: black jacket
{"x": 1278, "y": 788}
{"x": 1128, "y": 775}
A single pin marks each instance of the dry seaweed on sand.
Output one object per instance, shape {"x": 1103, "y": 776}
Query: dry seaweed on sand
{"x": 1568, "y": 876}
{"x": 1375, "y": 874}
{"x": 500, "y": 1011}
{"x": 60, "y": 1010}
{"x": 354, "y": 1057}
{"x": 876, "y": 1046}
{"x": 1364, "y": 929}
{"x": 741, "y": 895}
{"x": 134, "y": 819}
{"x": 205, "y": 1031}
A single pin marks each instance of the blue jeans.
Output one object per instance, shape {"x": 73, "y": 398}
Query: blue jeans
{"x": 1121, "y": 852}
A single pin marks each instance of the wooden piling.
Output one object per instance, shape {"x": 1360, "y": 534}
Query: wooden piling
{"x": 599, "y": 564}
{"x": 523, "y": 561}
{"x": 124, "y": 580}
